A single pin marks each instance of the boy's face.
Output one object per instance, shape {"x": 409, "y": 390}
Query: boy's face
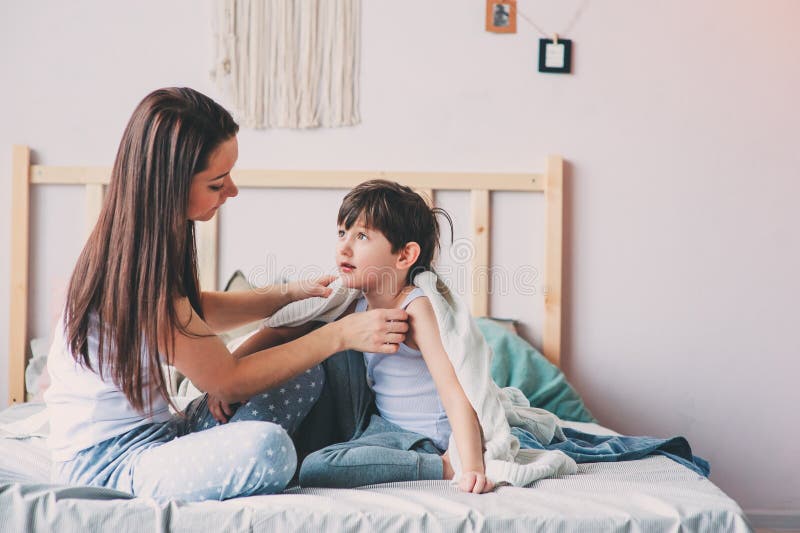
{"x": 365, "y": 259}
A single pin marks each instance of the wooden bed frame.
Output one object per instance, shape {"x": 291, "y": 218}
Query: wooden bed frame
{"x": 481, "y": 185}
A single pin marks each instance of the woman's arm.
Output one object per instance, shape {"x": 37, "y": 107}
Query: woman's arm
{"x": 261, "y": 339}
{"x": 202, "y": 357}
{"x": 268, "y": 337}
{"x": 463, "y": 420}
{"x": 227, "y": 310}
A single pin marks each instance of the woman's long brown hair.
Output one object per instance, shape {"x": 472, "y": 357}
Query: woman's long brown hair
{"x": 141, "y": 254}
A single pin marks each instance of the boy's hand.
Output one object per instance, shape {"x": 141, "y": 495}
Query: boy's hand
{"x": 475, "y": 482}
{"x": 308, "y": 288}
{"x": 471, "y": 481}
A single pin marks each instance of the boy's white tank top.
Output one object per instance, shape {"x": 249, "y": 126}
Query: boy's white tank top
{"x": 85, "y": 408}
{"x": 405, "y": 393}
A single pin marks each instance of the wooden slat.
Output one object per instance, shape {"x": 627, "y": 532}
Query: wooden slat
{"x": 480, "y": 272}
{"x": 94, "y": 203}
{"x": 553, "y": 259}
{"x": 416, "y": 180}
{"x": 321, "y": 179}
{"x": 428, "y": 195}
{"x": 41, "y": 174}
{"x": 207, "y": 236}
{"x": 20, "y": 232}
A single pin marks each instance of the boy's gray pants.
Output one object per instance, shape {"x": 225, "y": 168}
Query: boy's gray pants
{"x": 344, "y": 443}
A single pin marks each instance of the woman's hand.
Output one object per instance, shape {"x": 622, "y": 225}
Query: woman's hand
{"x": 308, "y": 288}
{"x": 220, "y": 410}
{"x": 377, "y": 331}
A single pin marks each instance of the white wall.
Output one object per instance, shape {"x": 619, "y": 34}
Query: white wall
{"x": 680, "y": 125}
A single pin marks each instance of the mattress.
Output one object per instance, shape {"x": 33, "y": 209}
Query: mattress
{"x": 652, "y": 494}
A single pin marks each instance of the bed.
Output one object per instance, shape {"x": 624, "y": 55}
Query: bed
{"x": 650, "y": 494}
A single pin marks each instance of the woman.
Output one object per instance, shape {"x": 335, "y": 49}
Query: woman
{"x": 134, "y": 303}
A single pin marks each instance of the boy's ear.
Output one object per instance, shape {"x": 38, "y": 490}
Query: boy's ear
{"x": 408, "y": 255}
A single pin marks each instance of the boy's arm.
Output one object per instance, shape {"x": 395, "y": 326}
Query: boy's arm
{"x": 424, "y": 332}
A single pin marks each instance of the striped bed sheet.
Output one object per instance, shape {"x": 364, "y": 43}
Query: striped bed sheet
{"x": 654, "y": 494}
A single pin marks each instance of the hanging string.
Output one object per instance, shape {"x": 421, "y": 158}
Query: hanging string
{"x": 566, "y": 31}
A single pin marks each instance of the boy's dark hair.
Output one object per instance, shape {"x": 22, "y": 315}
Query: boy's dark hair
{"x": 400, "y": 214}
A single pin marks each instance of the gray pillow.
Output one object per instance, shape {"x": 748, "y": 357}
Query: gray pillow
{"x": 238, "y": 283}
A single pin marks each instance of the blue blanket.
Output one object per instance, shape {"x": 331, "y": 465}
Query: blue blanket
{"x": 587, "y": 448}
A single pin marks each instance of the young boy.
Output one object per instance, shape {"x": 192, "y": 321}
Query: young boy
{"x": 387, "y": 234}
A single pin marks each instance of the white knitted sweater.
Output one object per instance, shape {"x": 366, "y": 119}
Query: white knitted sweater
{"x": 497, "y": 409}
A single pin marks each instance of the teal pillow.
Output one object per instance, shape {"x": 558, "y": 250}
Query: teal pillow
{"x": 518, "y": 364}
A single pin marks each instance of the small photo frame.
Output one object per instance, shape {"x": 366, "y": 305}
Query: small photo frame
{"x": 555, "y": 56}
{"x": 501, "y": 16}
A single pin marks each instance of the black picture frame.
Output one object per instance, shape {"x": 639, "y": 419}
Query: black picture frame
{"x": 567, "y": 67}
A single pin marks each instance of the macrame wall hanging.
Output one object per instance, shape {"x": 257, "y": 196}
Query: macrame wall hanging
{"x": 289, "y": 63}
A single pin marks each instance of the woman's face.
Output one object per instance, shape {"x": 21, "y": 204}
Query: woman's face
{"x": 211, "y": 187}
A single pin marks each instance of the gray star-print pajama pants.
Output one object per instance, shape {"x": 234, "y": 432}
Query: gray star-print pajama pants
{"x": 191, "y": 457}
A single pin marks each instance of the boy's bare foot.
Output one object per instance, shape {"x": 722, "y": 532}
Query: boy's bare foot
{"x": 447, "y": 468}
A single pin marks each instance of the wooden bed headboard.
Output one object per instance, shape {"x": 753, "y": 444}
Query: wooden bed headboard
{"x": 481, "y": 185}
